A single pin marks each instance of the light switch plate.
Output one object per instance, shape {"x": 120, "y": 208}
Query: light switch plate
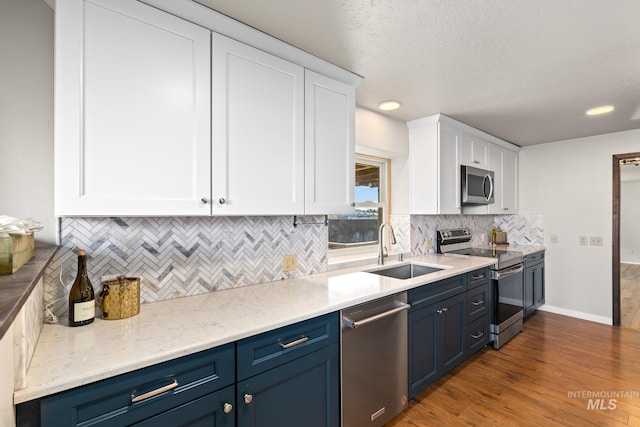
{"x": 595, "y": 241}
{"x": 584, "y": 241}
{"x": 554, "y": 238}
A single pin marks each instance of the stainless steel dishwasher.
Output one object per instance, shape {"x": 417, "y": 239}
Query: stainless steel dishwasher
{"x": 374, "y": 361}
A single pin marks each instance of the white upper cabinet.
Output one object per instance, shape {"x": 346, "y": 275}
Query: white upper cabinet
{"x": 473, "y": 150}
{"x": 438, "y": 145}
{"x": 258, "y": 131}
{"x": 434, "y": 161}
{"x": 329, "y": 145}
{"x": 504, "y": 163}
{"x": 132, "y": 111}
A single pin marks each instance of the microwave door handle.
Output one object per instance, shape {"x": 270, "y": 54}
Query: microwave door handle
{"x": 487, "y": 196}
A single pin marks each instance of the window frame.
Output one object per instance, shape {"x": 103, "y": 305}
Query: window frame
{"x": 384, "y": 166}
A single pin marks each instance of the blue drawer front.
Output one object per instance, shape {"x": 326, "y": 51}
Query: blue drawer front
{"x": 109, "y": 402}
{"x": 437, "y": 291}
{"x": 270, "y": 349}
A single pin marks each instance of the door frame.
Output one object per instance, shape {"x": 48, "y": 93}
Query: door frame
{"x": 617, "y": 315}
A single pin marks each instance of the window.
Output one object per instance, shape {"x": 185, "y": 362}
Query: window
{"x": 360, "y": 229}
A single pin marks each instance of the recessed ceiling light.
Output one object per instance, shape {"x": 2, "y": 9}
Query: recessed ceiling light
{"x": 389, "y": 105}
{"x": 600, "y": 110}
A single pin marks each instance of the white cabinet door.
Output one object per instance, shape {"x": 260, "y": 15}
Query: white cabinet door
{"x": 449, "y": 170}
{"x": 504, "y": 163}
{"x": 329, "y": 145}
{"x": 510, "y": 182}
{"x": 473, "y": 150}
{"x": 132, "y": 111}
{"x": 258, "y": 132}
{"x": 434, "y": 159}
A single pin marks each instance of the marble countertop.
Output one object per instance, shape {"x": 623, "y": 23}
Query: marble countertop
{"x": 69, "y": 357}
{"x": 15, "y": 288}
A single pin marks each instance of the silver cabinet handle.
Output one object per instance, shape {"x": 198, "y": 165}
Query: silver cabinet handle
{"x": 505, "y": 209}
{"x": 477, "y": 302}
{"x": 445, "y": 309}
{"x": 155, "y": 392}
{"x": 353, "y": 204}
{"x": 481, "y": 276}
{"x": 439, "y": 311}
{"x": 222, "y": 201}
{"x": 248, "y": 398}
{"x": 356, "y": 324}
{"x": 477, "y": 162}
{"x": 204, "y": 200}
{"x": 442, "y": 310}
{"x": 227, "y": 408}
{"x": 477, "y": 335}
{"x": 294, "y": 343}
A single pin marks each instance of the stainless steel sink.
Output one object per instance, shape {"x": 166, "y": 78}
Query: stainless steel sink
{"x": 406, "y": 271}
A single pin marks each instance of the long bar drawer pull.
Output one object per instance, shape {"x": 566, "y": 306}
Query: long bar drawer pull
{"x": 478, "y": 335}
{"x": 294, "y": 343}
{"x": 481, "y": 276}
{"x": 477, "y": 302}
{"x": 351, "y": 324}
{"x": 155, "y": 392}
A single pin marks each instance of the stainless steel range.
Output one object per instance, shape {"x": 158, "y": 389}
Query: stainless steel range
{"x": 507, "y": 279}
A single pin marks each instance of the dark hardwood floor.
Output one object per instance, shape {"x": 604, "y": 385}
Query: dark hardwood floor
{"x": 555, "y": 373}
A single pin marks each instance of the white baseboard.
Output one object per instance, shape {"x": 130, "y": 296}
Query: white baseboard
{"x": 630, "y": 262}
{"x": 577, "y": 314}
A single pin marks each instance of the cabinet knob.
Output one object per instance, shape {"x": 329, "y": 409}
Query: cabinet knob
{"x": 248, "y": 398}
{"x": 227, "y": 408}
{"x": 204, "y": 200}
{"x": 439, "y": 311}
{"x": 505, "y": 209}
{"x": 222, "y": 201}
{"x": 445, "y": 309}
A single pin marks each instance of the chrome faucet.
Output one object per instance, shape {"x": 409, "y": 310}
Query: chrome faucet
{"x": 381, "y": 248}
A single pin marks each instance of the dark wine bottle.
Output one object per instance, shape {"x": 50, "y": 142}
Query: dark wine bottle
{"x": 82, "y": 300}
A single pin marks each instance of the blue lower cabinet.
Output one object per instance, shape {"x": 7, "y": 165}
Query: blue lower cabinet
{"x": 213, "y": 410}
{"x": 157, "y": 391}
{"x": 437, "y": 341}
{"x": 303, "y": 392}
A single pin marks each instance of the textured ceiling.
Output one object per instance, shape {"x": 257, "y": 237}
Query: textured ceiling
{"x": 523, "y": 70}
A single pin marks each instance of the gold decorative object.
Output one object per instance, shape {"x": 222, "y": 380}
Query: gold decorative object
{"x": 120, "y": 298}
{"x": 15, "y": 251}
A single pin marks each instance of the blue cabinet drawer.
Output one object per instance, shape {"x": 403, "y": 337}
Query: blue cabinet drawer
{"x": 133, "y": 397}
{"x": 271, "y": 349}
{"x": 478, "y": 302}
{"x": 437, "y": 291}
{"x": 478, "y": 335}
{"x": 478, "y": 277}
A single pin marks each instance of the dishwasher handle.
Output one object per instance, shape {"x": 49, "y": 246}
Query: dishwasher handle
{"x": 356, "y": 324}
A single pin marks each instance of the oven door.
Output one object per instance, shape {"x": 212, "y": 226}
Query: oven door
{"x": 508, "y": 298}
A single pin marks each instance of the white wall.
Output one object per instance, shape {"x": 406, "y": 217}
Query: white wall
{"x": 26, "y": 113}
{"x": 570, "y": 183}
{"x": 630, "y": 221}
{"x": 381, "y": 136}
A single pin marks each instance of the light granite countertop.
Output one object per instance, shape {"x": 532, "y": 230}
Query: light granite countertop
{"x": 69, "y": 357}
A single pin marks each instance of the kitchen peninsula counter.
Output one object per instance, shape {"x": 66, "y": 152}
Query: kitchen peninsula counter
{"x": 68, "y": 357}
{"x": 15, "y": 288}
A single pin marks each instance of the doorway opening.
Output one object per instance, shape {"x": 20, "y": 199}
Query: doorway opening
{"x": 619, "y": 161}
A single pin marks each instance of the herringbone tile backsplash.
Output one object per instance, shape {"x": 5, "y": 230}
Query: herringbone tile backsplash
{"x": 184, "y": 256}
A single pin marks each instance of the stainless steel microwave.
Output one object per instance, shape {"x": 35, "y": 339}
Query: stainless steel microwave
{"x": 477, "y": 186}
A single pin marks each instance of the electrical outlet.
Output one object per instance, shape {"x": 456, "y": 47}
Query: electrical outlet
{"x": 584, "y": 241}
{"x": 554, "y": 238}
{"x": 289, "y": 262}
{"x": 429, "y": 244}
{"x": 595, "y": 241}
